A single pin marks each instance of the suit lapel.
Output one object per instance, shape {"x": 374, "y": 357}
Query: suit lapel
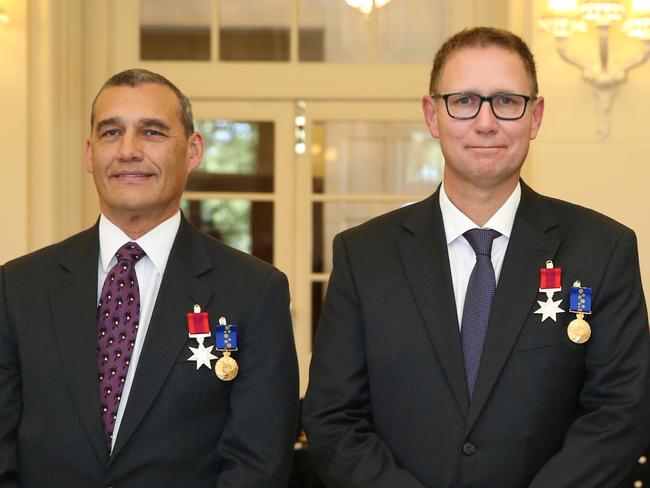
{"x": 73, "y": 296}
{"x": 167, "y": 333}
{"x": 534, "y": 239}
{"x": 423, "y": 252}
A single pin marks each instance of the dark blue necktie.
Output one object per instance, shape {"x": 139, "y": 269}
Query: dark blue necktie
{"x": 478, "y": 302}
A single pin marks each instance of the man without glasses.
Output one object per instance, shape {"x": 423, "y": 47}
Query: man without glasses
{"x": 141, "y": 352}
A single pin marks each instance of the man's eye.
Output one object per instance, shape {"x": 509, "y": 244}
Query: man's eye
{"x": 506, "y": 100}
{"x": 110, "y": 133}
{"x": 152, "y": 132}
{"x": 463, "y": 100}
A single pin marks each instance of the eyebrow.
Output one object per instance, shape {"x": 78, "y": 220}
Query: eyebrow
{"x": 108, "y": 122}
{"x": 148, "y": 122}
{"x": 492, "y": 92}
{"x": 153, "y": 123}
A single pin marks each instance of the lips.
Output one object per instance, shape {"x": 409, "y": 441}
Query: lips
{"x": 486, "y": 147}
{"x": 486, "y": 150}
{"x": 132, "y": 175}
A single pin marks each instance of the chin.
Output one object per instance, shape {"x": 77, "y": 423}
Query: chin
{"x": 130, "y": 205}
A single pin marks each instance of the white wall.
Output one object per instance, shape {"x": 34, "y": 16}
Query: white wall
{"x": 13, "y": 131}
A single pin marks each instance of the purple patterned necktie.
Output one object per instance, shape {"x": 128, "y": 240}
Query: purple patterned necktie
{"x": 118, "y": 316}
{"x": 478, "y": 302}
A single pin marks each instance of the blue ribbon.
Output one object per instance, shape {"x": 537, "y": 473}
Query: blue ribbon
{"x": 580, "y": 299}
{"x": 226, "y": 337}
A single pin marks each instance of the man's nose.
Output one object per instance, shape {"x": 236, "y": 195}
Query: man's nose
{"x": 485, "y": 119}
{"x": 130, "y": 147}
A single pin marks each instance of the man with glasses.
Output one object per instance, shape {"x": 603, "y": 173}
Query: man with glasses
{"x": 487, "y": 336}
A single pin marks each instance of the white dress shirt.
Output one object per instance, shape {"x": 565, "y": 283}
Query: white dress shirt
{"x": 157, "y": 243}
{"x": 461, "y": 255}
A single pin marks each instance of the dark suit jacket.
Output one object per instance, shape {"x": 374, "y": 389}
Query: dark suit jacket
{"x": 387, "y": 404}
{"x": 181, "y": 427}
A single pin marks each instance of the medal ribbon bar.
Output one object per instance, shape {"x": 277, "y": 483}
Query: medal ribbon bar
{"x": 550, "y": 278}
{"x": 580, "y": 299}
{"x": 198, "y": 324}
{"x": 226, "y": 336}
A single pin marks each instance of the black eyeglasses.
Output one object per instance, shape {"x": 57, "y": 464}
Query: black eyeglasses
{"x": 505, "y": 106}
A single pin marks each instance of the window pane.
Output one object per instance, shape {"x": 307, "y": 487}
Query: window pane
{"x": 338, "y": 32}
{"x": 400, "y": 31}
{"x": 411, "y": 30}
{"x": 239, "y": 156}
{"x": 254, "y": 30}
{"x": 170, "y": 29}
{"x": 242, "y": 224}
{"x": 375, "y": 157}
{"x": 330, "y": 218}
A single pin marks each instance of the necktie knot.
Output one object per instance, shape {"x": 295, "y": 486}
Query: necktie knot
{"x": 481, "y": 240}
{"x": 130, "y": 252}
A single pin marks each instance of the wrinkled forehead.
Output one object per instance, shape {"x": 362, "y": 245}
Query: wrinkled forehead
{"x": 143, "y": 101}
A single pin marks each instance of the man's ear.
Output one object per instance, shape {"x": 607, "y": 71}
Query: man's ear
{"x": 195, "y": 150}
{"x": 88, "y": 157}
{"x": 430, "y": 111}
{"x": 538, "y": 113}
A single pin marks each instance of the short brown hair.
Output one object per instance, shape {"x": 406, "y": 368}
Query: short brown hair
{"x": 136, "y": 77}
{"x": 483, "y": 37}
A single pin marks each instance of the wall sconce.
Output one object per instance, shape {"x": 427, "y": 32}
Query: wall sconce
{"x": 566, "y": 17}
{"x": 4, "y": 17}
{"x": 366, "y": 6}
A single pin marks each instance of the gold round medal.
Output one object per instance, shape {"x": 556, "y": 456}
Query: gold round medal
{"x": 579, "y": 331}
{"x": 226, "y": 368}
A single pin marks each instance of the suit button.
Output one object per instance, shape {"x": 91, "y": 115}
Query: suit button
{"x": 469, "y": 449}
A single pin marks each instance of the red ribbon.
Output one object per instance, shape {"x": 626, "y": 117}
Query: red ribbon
{"x": 198, "y": 324}
{"x": 550, "y": 278}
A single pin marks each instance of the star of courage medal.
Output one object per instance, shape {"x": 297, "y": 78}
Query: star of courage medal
{"x": 550, "y": 282}
{"x": 579, "y": 304}
{"x": 226, "y": 368}
{"x": 198, "y": 327}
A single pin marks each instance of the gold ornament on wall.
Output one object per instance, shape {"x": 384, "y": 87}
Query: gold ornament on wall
{"x": 565, "y": 18}
{"x": 4, "y": 17}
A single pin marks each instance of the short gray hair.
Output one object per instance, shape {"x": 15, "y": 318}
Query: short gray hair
{"x": 136, "y": 77}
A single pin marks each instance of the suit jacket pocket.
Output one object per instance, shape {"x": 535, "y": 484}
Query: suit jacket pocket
{"x": 543, "y": 336}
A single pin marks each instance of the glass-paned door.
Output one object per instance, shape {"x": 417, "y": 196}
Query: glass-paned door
{"x": 242, "y": 191}
{"x": 362, "y": 159}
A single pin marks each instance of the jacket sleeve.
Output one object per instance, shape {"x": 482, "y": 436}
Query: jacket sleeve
{"x": 343, "y": 445}
{"x": 10, "y": 396}
{"x": 257, "y": 442}
{"x": 604, "y": 442}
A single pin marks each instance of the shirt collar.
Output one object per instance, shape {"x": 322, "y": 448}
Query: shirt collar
{"x": 456, "y": 223}
{"x": 157, "y": 243}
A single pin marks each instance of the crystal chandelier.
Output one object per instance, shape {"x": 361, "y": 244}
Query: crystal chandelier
{"x": 366, "y": 6}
